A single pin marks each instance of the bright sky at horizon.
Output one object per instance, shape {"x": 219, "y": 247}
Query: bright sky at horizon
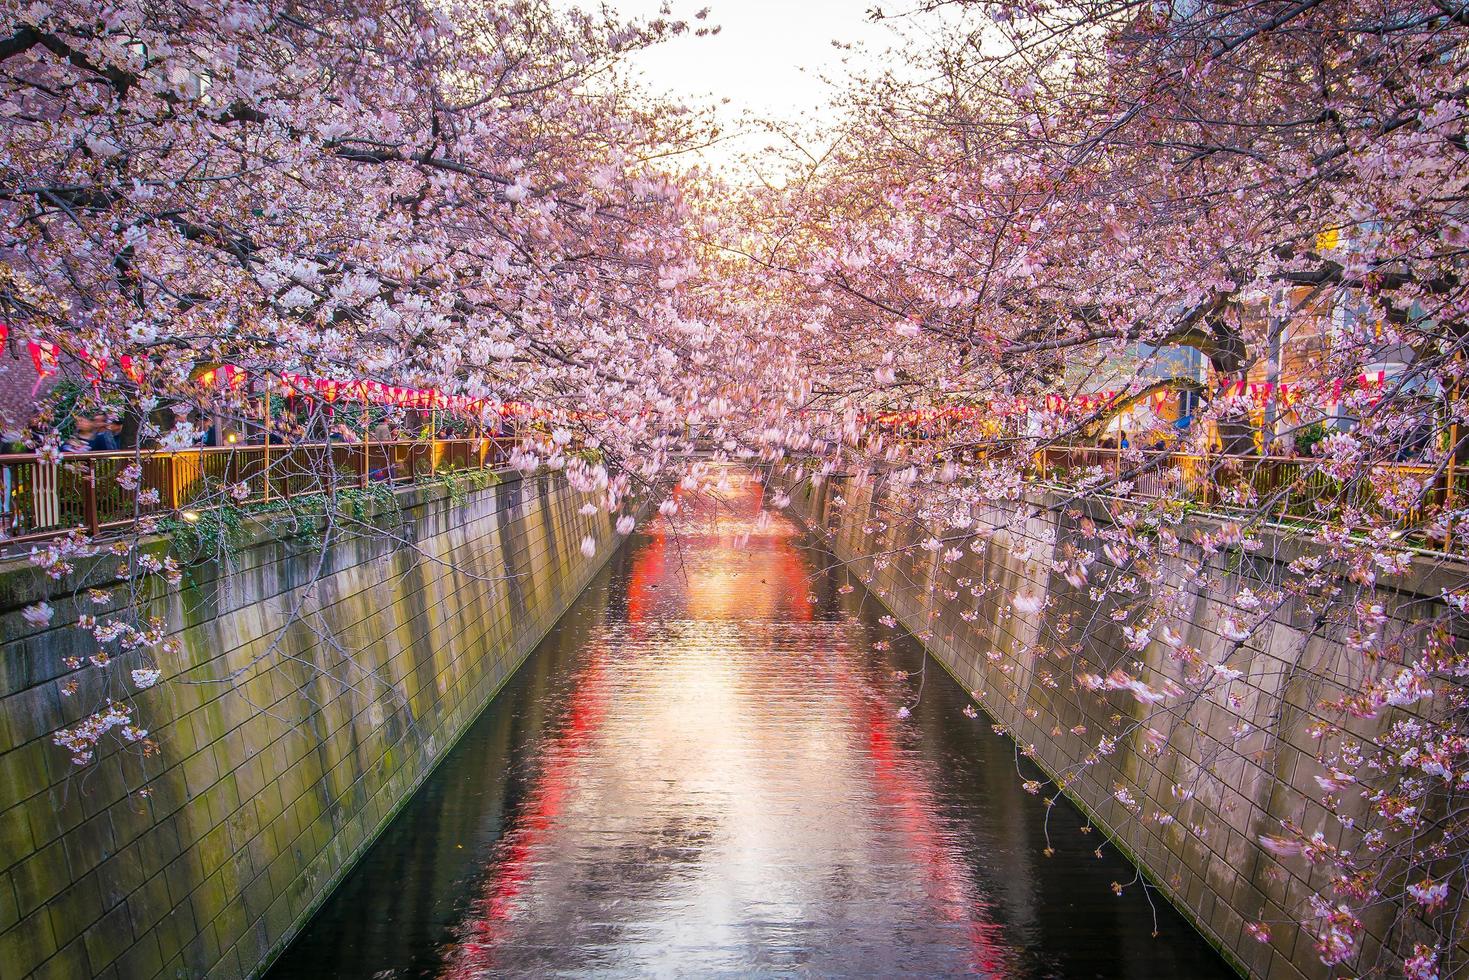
{"x": 769, "y": 59}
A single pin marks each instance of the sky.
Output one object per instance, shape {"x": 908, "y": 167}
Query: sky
{"x": 767, "y": 60}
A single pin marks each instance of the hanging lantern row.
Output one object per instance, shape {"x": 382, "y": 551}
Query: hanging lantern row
{"x": 1061, "y": 405}
{"x": 376, "y": 393}
{"x": 1002, "y": 408}
{"x": 1288, "y": 393}
{"x": 225, "y": 376}
{"x": 46, "y": 359}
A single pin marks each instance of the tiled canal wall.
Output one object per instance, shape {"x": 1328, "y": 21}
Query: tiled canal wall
{"x": 1243, "y": 780}
{"x": 286, "y": 740}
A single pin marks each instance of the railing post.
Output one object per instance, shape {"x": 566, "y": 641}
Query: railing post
{"x": 1448, "y": 492}
{"x": 91, "y": 498}
{"x": 172, "y": 479}
{"x": 267, "y": 427}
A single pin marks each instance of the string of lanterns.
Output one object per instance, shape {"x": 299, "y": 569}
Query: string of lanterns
{"x": 45, "y": 357}
{"x": 1288, "y": 393}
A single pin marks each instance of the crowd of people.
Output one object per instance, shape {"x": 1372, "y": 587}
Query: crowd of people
{"x": 97, "y": 434}
{"x": 30, "y": 499}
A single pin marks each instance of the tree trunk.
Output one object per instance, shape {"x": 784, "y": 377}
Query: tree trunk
{"x": 1230, "y": 359}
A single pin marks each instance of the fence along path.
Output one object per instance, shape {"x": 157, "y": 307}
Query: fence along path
{"x": 42, "y": 498}
{"x": 1284, "y": 488}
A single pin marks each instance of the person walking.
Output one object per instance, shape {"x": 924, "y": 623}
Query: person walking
{"x": 105, "y": 438}
{"x": 80, "y": 440}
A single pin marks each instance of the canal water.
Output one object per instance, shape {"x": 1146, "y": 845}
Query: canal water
{"x": 703, "y": 771}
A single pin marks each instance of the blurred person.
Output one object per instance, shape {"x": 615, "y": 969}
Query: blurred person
{"x": 80, "y": 440}
{"x": 105, "y": 437}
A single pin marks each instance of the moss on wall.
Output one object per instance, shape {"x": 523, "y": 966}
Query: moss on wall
{"x": 1208, "y": 861}
{"x": 302, "y": 710}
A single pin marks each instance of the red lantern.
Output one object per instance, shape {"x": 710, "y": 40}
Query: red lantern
{"x": 132, "y": 369}
{"x": 44, "y": 355}
{"x": 232, "y": 376}
{"x": 96, "y": 366}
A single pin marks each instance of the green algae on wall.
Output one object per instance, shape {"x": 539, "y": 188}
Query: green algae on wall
{"x": 300, "y": 712}
{"x": 1208, "y": 861}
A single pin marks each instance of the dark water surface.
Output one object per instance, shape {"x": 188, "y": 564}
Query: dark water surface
{"x": 702, "y": 772}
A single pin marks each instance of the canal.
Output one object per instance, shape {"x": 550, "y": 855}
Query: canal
{"x": 703, "y": 771}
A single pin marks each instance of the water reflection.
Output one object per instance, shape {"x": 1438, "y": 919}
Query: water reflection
{"x": 702, "y": 771}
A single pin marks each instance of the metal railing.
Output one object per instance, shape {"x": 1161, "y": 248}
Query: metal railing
{"x": 1281, "y": 486}
{"x": 92, "y": 492}
{"x": 95, "y": 492}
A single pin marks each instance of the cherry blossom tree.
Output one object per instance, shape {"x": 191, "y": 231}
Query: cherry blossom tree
{"x": 1047, "y": 200}
{"x": 455, "y": 196}
{"x": 461, "y": 197}
{"x": 1060, "y": 194}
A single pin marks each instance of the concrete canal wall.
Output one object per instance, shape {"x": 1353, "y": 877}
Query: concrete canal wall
{"x": 285, "y": 741}
{"x": 1249, "y": 763}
